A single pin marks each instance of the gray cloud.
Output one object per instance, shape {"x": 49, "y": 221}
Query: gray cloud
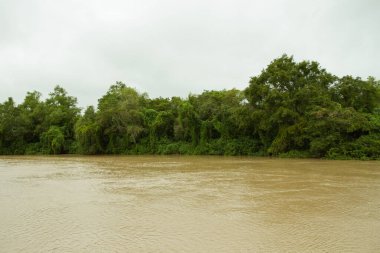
{"x": 169, "y": 48}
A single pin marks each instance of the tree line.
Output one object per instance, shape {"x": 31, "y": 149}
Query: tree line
{"x": 291, "y": 109}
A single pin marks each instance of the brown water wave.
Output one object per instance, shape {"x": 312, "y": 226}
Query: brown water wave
{"x": 188, "y": 204}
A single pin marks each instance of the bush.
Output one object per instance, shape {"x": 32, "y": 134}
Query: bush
{"x": 295, "y": 154}
{"x": 33, "y": 149}
{"x": 364, "y": 148}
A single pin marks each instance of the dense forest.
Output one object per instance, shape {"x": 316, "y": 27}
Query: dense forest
{"x": 292, "y": 109}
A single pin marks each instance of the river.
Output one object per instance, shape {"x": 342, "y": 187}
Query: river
{"x": 188, "y": 204}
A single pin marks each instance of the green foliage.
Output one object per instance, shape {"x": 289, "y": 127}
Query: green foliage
{"x": 87, "y": 133}
{"x": 363, "y": 96}
{"x": 53, "y": 141}
{"x": 36, "y": 126}
{"x": 295, "y": 154}
{"x": 291, "y": 109}
{"x": 120, "y": 118}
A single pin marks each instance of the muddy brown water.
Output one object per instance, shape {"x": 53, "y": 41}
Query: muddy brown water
{"x": 188, "y": 204}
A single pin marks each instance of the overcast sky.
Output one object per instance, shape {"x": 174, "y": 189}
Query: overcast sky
{"x": 171, "y": 47}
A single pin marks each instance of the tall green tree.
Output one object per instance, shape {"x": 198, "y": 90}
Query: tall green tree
{"x": 87, "y": 133}
{"x": 12, "y": 129}
{"x": 280, "y": 98}
{"x": 61, "y": 115}
{"x": 120, "y": 118}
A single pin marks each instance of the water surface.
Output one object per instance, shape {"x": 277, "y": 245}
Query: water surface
{"x": 188, "y": 204}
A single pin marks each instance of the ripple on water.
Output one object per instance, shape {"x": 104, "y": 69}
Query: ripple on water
{"x": 188, "y": 204}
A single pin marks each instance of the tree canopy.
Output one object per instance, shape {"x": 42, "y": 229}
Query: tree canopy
{"x": 291, "y": 109}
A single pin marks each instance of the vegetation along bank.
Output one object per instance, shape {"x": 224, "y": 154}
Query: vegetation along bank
{"x": 292, "y": 109}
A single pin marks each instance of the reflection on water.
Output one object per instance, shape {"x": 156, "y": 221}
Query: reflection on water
{"x": 188, "y": 204}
